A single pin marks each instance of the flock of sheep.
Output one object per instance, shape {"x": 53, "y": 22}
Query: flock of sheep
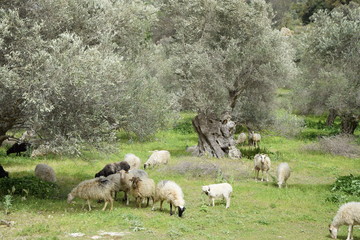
{"x": 126, "y": 176}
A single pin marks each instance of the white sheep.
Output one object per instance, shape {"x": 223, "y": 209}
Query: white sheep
{"x": 132, "y": 160}
{"x": 254, "y": 139}
{"x": 262, "y": 162}
{"x": 142, "y": 188}
{"x": 241, "y": 138}
{"x": 99, "y": 188}
{"x": 45, "y": 172}
{"x": 348, "y": 214}
{"x": 215, "y": 191}
{"x": 158, "y": 157}
{"x": 234, "y": 153}
{"x": 125, "y": 183}
{"x": 171, "y": 192}
{"x": 283, "y": 173}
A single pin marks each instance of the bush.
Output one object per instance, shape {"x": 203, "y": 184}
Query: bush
{"x": 32, "y": 185}
{"x": 342, "y": 145}
{"x": 251, "y": 152}
{"x": 196, "y": 169}
{"x": 287, "y": 124}
{"x": 345, "y": 188}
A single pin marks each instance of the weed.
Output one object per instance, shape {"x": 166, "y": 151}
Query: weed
{"x": 251, "y": 152}
{"x": 7, "y": 203}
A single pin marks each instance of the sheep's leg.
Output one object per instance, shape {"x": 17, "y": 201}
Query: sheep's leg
{"x": 213, "y": 202}
{"x": 153, "y": 202}
{"x": 111, "y": 204}
{"x": 127, "y": 198}
{"x": 171, "y": 212}
{"x": 256, "y": 174}
{"x": 161, "y": 203}
{"x": 227, "y": 202}
{"x": 106, "y": 203}
{"x": 262, "y": 173}
{"x": 350, "y": 233}
{"x": 267, "y": 176}
{"x": 88, "y": 202}
{"x": 147, "y": 203}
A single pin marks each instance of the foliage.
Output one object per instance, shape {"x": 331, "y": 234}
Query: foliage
{"x": 287, "y": 124}
{"x": 250, "y": 152}
{"x": 224, "y": 56}
{"x": 345, "y": 187}
{"x": 33, "y": 186}
{"x": 74, "y": 74}
{"x": 7, "y": 203}
{"x": 330, "y": 64}
{"x": 306, "y": 9}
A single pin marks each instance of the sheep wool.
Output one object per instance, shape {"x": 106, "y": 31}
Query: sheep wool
{"x": 216, "y": 191}
{"x": 158, "y": 157}
{"x": 283, "y": 173}
{"x": 171, "y": 192}
{"x": 125, "y": 183}
{"x": 262, "y": 162}
{"x": 112, "y": 168}
{"x": 348, "y": 214}
{"x": 45, "y": 173}
{"x": 132, "y": 160}
{"x": 94, "y": 189}
{"x": 254, "y": 139}
{"x": 142, "y": 188}
{"x": 241, "y": 138}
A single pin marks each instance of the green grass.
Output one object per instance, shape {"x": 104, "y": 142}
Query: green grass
{"x": 258, "y": 210}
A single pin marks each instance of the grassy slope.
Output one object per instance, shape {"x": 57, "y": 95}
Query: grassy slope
{"x": 258, "y": 210}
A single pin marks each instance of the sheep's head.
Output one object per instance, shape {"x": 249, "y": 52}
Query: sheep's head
{"x": 205, "y": 189}
{"x": 145, "y": 165}
{"x": 70, "y": 198}
{"x": 333, "y": 231}
{"x": 122, "y": 174}
{"x": 181, "y": 210}
{"x": 135, "y": 181}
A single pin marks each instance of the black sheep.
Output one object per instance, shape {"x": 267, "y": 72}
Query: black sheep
{"x": 112, "y": 168}
{"x": 18, "y": 148}
{"x": 3, "y": 173}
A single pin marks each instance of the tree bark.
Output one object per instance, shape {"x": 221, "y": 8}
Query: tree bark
{"x": 331, "y": 117}
{"x": 215, "y": 136}
{"x": 349, "y": 123}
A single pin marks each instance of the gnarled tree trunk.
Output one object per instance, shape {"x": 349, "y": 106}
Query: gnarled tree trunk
{"x": 349, "y": 123}
{"x": 331, "y": 117}
{"x": 215, "y": 135}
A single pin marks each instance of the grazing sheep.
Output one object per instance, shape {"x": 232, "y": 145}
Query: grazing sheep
{"x": 262, "y": 162}
{"x": 348, "y": 214}
{"x": 158, "y": 157}
{"x": 112, "y": 168}
{"x": 115, "y": 178}
{"x": 221, "y": 190}
{"x": 172, "y": 193}
{"x": 142, "y": 188}
{"x": 125, "y": 183}
{"x": 234, "y": 153}
{"x": 97, "y": 189}
{"x": 283, "y": 173}
{"x": 18, "y": 148}
{"x": 45, "y": 173}
{"x": 241, "y": 138}
{"x": 132, "y": 160}
{"x": 254, "y": 139}
{"x": 3, "y": 173}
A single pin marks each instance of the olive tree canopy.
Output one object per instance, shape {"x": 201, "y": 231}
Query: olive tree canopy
{"x": 226, "y": 62}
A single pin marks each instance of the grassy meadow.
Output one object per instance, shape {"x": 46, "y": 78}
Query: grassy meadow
{"x": 258, "y": 210}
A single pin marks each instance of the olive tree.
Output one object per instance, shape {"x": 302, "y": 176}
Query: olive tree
{"x": 226, "y": 62}
{"x": 331, "y": 66}
{"x": 76, "y": 84}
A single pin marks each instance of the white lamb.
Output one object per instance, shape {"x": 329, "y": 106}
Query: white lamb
{"x": 99, "y": 188}
{"x": 45, "y": 173}
{"x": 216, "y": 191}
{"x": 171, "y": 192}
{"x": 158, "y": 157}
{"x": 132, "y": 160}
{"x": 241, "y": 138}
{"x": 262, "y": 162}
{"x": 348, "y": 214}
{"x": 283, "y": 173}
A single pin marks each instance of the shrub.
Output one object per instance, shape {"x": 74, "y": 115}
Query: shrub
{"x": 342, "y": 145}
{"x": 344, "y": 188}
{"x": 33, "y": 186}
{"x": 251, "y": 152}
{"x": 287, "y": 124}
{"x": 196, "y": 169}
